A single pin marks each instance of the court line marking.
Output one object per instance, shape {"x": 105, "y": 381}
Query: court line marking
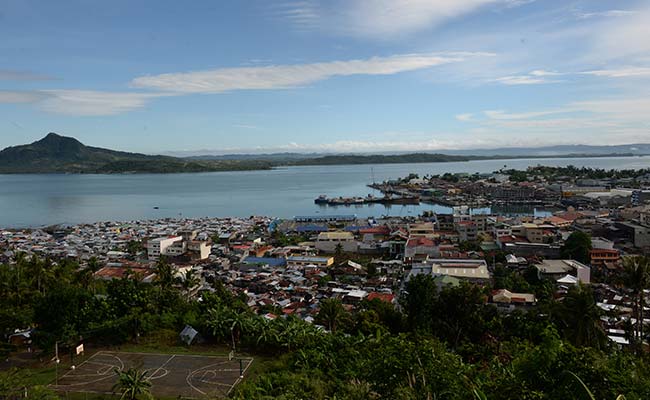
{"x": 161, "y": 367}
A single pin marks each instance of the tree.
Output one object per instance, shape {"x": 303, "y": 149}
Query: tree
{"x": 338, "y": 254}
{"x": 636, "y": 277}
{"x": 331, "y": 313}
{"x": 132, "y": 384}
{"x": 419, "y": 301}
{"x": 580, "y": 318}
{"x": 164, "y": 273}
{"x": 577, "y": 247}
{"x": 188, "y": 281}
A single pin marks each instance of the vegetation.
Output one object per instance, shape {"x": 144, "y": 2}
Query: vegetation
{"x": 577, "y": 247}
{"x": 444, "y": 343}
{"x": 59, "y": 154}
{"x": 132, "y": 384}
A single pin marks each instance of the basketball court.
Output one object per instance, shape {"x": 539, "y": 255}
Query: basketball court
{"x": 171, "y": 375}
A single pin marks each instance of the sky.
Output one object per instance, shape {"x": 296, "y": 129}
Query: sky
{"x": 231, "y": 76}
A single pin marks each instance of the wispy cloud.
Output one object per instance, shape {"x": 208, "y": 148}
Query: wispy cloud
{"x": 12, "y": 75}
{"x": 290, "y": 76}
{"x": 245, "y": 126}
{"x": 512, "y": 80}
{"x": 9, "y": 96}
{"x": 464, "y": 117}
{"x": 605, "y": 14}
{"x": 629, "y": 72}
{"x": 382, "y": 19}
{"x": 94, "y": 103}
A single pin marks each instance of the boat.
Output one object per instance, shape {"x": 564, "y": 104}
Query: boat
{"x": 322, "y": 199}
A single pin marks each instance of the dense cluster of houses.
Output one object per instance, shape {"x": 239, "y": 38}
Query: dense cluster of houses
{"x": 287, "y": 266}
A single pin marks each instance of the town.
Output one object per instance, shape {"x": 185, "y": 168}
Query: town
{"x": 286, "y": 267}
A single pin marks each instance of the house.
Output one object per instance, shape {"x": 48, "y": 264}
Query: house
{"x": 467, "y": 269}
{"x": 559, "y": 269}
{"x": 506, "y": 297}
{"x": 302, "y": 261}
{"x": 327, "y": 242}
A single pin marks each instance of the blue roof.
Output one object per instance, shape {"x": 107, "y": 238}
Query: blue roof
{"x": 311, "y": 228}
{"x": 349, "y": 217}
{"x": 308, "y": 258}
{"x": 271, "y": 261}
{"x": 354, "y": 228}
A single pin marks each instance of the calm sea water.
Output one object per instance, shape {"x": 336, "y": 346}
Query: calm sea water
{"x": 37, "y": 200}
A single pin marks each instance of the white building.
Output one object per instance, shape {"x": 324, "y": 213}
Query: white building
{"x": 165, "y": 246}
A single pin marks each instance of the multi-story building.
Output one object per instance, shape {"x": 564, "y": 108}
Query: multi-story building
{"x": 165, "y": 246}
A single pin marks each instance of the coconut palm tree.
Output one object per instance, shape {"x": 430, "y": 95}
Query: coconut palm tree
{"x": 188, "y": 281}
{"x": 164, "y": 274}
{"x": 331, "y": 313}
{"x": 132, "y": 384}
{"x": 581, "y": 318}
{"x": 636, "y": 277}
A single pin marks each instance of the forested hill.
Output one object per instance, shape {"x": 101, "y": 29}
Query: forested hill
{"x": 381, "y": 159}
{"x": 60, "y": 154}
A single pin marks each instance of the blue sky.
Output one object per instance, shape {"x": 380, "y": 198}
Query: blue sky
{"x": 340, "y": 75}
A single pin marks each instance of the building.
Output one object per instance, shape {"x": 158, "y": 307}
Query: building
{"x": 171, "y": 246}
{"x": 508, "y": 301}
{"x": 559, "y": 269}
{"x": 327, "y": 242}
{"x": 467, "y": 231}
{"x": 302, "y": 261}
{"x": 425, "y": 229}
{"x": 472, "y": 270}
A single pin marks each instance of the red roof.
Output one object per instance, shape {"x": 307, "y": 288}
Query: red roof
{"x": 378, "y": 230}
{"x": 387, "y": 297}
{"x": 420, "y": 241}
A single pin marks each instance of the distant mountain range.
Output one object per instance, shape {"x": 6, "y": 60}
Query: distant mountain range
{"x": 60, "y": 154}
{"x": 506, "y": 152}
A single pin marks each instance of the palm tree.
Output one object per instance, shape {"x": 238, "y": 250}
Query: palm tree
{"x": 188, "y": 281}
{"x": 636, "y": 277}
{"x": 331, "y": 313}
{"x": 239, "y": 322}
{"x": 581, "y": 318}
{"x": 132, "y": 384}
{"x": 164, "y": 273}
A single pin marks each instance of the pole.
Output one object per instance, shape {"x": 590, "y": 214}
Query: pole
{"x": 241, "y": 368}
{"x": 232, "y": 336}
{"x": 56, "y": 362}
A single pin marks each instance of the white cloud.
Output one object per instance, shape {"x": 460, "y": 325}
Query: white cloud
{"x": 464, "y": 117}
{"x": 289, "y": 76}
{"x": 606, "y": 13}
{"x": 623, "y": 37}
{"x": 8, "y": 96}
{"x": 503, "y": 115}
{"x": 629, "y": 72}
{"x": 12, "y": 75}
{"x": 522, "y": 80}
{"x": 541, "y": 72}
{"x": 631, "y": 110}
{"x": 93, "y": 103}
{"x": 383, "y": 19}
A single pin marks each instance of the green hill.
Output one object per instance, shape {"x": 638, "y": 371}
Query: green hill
{"x": 59, "y": 154}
